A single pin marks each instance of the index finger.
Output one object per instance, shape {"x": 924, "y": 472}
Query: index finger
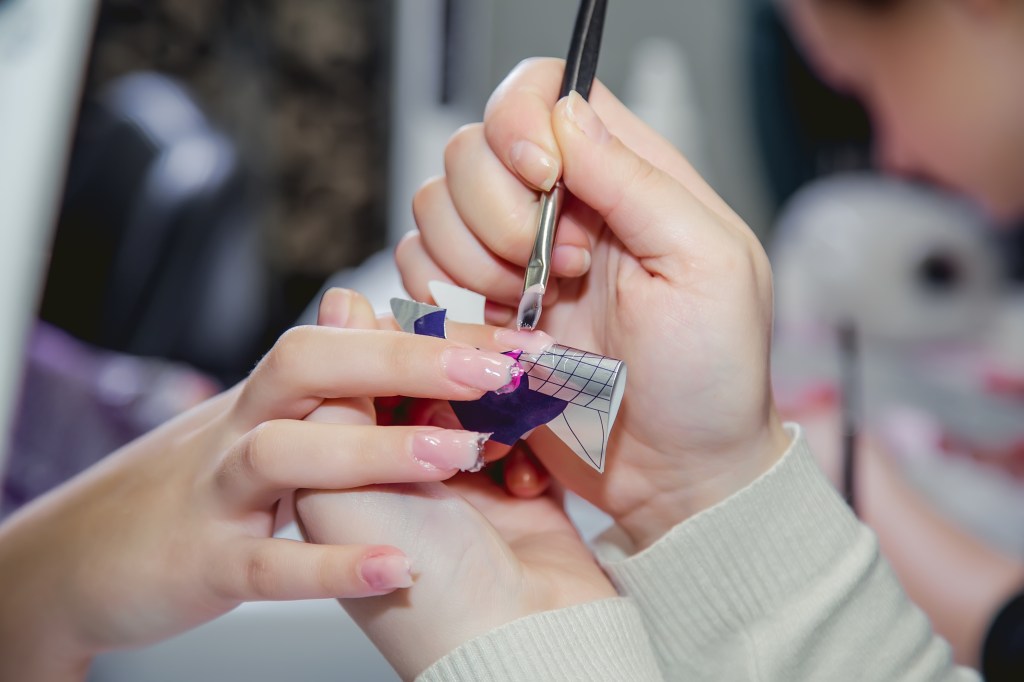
{"x": 310, "y": 364}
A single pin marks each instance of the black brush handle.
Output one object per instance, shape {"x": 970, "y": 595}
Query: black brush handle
{"x": 581, "y": 64}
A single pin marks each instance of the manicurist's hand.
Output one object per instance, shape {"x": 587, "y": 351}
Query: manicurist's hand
{"x": 176, "y": 528}
{"x": 650, "y": 266}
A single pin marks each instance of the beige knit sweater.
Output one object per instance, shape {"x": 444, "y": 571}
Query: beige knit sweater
{"x": 779, "y": 582}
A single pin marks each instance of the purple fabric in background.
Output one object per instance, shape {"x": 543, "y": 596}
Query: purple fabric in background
{"x": 78, "y": 404}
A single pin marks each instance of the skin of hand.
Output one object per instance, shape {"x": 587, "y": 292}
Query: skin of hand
{"x": 481, "y": 559}
{"x": 959, "y": 581}
{"x": 176, "y": 528}
{"x": 650, "y": 267}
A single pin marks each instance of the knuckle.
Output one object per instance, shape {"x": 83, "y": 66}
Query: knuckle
{"x": 426, "y": 199}
{"x": 514, "y": 241}
{"x": 460, "y": 143}
{"x": 407, "y": 248}
{"x": 260, "y": 577}
{"x": 642, "y": 174}
{"x": 253, "y": 459}
{"x": 528, "y": 67}
{"x": 403, "y": 354}
{"x": 281, "y": 359}
{"x": 329, "y": 579}
{"x": 494, "y": 281}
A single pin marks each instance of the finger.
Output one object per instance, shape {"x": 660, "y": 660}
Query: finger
{"x": 387, "y": 322}
{"x": 499, "y": 315}
{"x": 494, "y": 451}
{"x": 518, "y": 121}
{"x": 456, "y": 251}
{"x": 417, "y": 268}
{"x": 502, "y": 212}
{"x": 345, "y": 309}
{"x": 653, "y": 214}
{"x": 356, "y": 411}
{"x": 276, "y": 569}
{"x": 433, "y": 413}
{"x": 310, "y": 364}
{"x": 284, "y": 455}
{"x": 498, "y": 338}
{"x": 518, "y": 115}
{"x": 524, "y": 475}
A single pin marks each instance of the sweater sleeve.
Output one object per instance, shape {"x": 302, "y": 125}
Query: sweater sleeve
{"x": 778, "y": 582}
{"x": 598, "y": 641}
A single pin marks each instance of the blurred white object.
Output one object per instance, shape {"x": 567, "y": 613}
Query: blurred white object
{"x": 312, "y": 641}
{"x": 660, "y": 90}
{"x": 44, "y": 47}
{"x": 899, "y": 261}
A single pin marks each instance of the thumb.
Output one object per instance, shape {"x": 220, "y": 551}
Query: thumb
{"x": 345, "y": 309}
{"x": 649, "y": 211}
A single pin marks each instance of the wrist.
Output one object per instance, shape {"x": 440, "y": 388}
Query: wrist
{"x": 36, "y": 638}
{"x": 34, "y": 642}
{"x": 709, "y": 478}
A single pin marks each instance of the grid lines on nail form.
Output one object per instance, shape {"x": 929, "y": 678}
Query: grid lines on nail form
{"x": 575, "y": 376}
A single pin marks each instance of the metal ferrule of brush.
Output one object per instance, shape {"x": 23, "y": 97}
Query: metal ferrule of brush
{"x": 539, "y": 268}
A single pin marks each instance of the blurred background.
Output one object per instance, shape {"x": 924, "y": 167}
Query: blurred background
{"x": 234, "y": 157}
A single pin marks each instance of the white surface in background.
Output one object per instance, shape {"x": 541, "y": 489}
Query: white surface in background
{"x": 43, "y": 49}
{"x": 312, "y": 641}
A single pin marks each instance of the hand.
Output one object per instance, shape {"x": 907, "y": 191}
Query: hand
{"x": 481, "y": 559}
{"x": 676, "y": 285}
{"x": 175, "y": 528}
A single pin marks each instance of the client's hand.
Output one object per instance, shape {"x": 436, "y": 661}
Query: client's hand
{"x": 481, "y": 559}
{"x": 652, "y": 267}
{"x": 175, "y": 528}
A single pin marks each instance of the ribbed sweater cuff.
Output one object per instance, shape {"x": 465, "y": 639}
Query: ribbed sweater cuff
{"x": 728, "y": 566}
{"x": 602, "y": 640}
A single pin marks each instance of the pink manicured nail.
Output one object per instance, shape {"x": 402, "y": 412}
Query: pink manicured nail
{"x": 534, "y": 164}
{"x": 386, "y": 572}
{"x": 535, "y": 342}
{"x": 579, "y": 111}
{"x": 480, "y": 369}
{"x": 450, "y": 449}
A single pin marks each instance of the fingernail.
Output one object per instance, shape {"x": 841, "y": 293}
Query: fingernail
{"x": 450, "y": 449}
{"x": 580, "y": 113}
{"x": 334, "y": 307}
{"x": 534, "y": 343}
{"x": 534, "y": 164}
{"x": 386, "y": 572}
{"x": 571, "y": 261}
{"x": 480, "y": 369}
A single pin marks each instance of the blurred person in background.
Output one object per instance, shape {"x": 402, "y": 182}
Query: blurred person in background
{"x": 941, "y": 82}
